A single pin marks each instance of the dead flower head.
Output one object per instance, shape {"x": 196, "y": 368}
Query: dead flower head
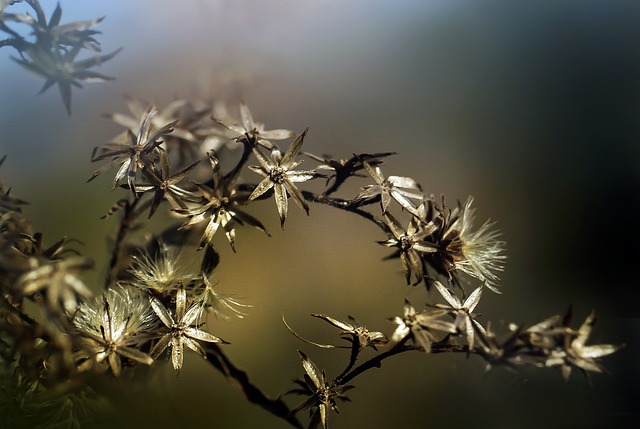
{"x": 113, "y": 327}
{"x": 182, "y": 329}
{"x": 279, "y": 175}
{"x": 322, "y": 395}
{"x": 419, "y": 326}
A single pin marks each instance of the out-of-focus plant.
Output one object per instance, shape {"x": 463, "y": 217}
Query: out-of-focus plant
{"x": 59, "y": 345}
{"x": 51, "y": 49}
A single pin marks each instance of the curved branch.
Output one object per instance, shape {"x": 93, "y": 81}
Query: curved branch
{"x": 376, "y": 361}
{"x": 222, "y": 363}
{"x": 346, "y": 205}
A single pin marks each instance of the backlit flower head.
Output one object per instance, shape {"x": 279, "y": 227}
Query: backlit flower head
{"x": 113, "y": 326}
{"x": 478, "y": 254}
{"x": 279, "y": 175}
{"x": 183, "y": 329}
{"x": 162, "y": 272}
{"x": 481, "y": 253}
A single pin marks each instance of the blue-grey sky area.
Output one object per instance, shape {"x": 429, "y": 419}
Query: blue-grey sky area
{"x": 531, "y": 107}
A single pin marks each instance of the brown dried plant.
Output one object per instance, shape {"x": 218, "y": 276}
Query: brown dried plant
{"x": 57, "y": 341}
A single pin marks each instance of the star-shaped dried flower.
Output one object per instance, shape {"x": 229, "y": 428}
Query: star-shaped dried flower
{"x": 182, "y": 139}
{"x": 393, "y": 187}
{"x": 219, "y": 205}
{"x": 418, "y": 326}
{"x": 163, "y": 116}
{"x": 355, "y": 333}
{"x": 411, "y": 244}
{"x": 463, "y": 311}
{"x": 164, "y": 184}
{"x": 576, "y": 353}
{"x": 51, "y": 33}
{"x": 279, "y": 174}
{"x": 60, "y": 67}
{"x": 58, "y": 280}
{"x": 114, "y": 327}
{"x": 322, "y": 395}
{"x": 137, "y": 151}
{"x": 254, "y": 133}
{"x": 182, "y": 329}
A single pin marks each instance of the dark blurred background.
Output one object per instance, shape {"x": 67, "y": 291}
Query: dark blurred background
{"x": 530, "y": 107}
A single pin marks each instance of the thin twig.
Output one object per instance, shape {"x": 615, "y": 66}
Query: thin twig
{"x": 17, "y": 312}
{"x": 277, "y": 407}
{"x": 124, "y": 227}
{"x": 376, "y": 361}
{"x": 346, "y": 205}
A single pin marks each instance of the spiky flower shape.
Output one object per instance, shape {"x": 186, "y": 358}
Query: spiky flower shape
{"x": 253, "y": 132}
{"x": 59, "y": 280}
{"x": 462, "y": 311}
{"x": 182, "y": 329}
{"x": 279, "y": 174}
{"x": 322, "y": 395}
{"x": 113, "y": 327}
{"x": 411, "y": 243}
{"x": 419, "y": 326}
{"x": 219, "y": 207}
{"x": 134, "y": 152}
{"x": 400, "y": 189}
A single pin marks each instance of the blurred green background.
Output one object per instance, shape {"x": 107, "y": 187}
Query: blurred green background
{"x": 531, "y": 107}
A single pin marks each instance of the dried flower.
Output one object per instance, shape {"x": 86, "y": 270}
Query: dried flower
{"x": 163, "y": 272}
{"x": 113, "y": 327}
{"x": 393, "y": 187}
{"x": 418, "y": 326}
{"x": 58, "y": 280}
{"x": 322, "y": 396}
{"x": 254, "y": 133}
{"x": 355, "y": 333}
{"x": 163, "y": 116}
{"x": 343, "y": 169}
{"x": 53, "y": 34}
{"x": 61, "y": 67}
{"x": 575, "y": 352}
{"x": 219, "y": 205}
{"x": 181, "y": 329}
{"x": 279, "y": 174}
{"x": 482, "y": 252}
{"x": 476, "y": 253}
{"x": 411, "y": 244}
{"x": 463, "y": 311}
{"x": 53, "y": 54}
{"x": 137, "y": 151}
{"x": 164, "y": 184}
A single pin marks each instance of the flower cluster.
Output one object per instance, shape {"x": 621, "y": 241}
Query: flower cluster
{"x": 53, "y": 54}
{"x": 178, "y": 164}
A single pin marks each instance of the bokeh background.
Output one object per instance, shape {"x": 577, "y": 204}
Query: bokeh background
{"x": 531, "y": 107}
